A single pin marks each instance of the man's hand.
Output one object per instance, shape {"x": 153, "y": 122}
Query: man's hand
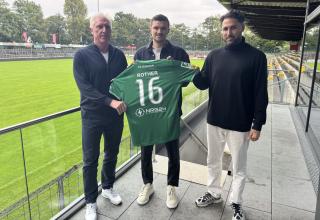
{"x": 119, "y": 106}
{"x": 254, "y": 135}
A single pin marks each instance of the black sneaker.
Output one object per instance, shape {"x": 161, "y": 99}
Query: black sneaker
{"x": 208, "y": 199}
{"x": 237, "y": 212}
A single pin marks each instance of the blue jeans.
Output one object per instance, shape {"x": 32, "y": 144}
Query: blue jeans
{"x": 91, "y": 136}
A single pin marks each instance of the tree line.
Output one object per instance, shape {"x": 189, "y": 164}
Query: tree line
{"x": 26, "y": 17}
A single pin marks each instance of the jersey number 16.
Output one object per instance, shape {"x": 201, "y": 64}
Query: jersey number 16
{"x": 152, "y": 90}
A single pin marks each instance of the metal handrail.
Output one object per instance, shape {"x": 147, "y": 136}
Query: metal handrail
{"x": 38, "y": 120}
{"x": 273, "y": 70}
{"x": 275, "y": 83}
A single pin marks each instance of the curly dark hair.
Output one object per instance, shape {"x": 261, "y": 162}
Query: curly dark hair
{"x": 233, "y": 14}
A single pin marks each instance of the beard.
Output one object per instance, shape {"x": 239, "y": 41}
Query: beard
{"x": 233, "y": 41}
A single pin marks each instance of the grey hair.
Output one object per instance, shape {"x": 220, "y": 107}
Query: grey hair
{"x": 100, "y": 15}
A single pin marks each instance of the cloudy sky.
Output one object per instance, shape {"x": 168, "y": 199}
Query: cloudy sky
{"x": 190, "y": 12}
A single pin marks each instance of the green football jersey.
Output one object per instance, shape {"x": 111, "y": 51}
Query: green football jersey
{"x": 151, "y": 91}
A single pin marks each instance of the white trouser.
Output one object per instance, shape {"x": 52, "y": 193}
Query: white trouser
{"x": 238, "y": 144}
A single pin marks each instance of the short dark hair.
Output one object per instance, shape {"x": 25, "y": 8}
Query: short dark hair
{"x": 160, "y": 17}
{"x": 233, "y": 14}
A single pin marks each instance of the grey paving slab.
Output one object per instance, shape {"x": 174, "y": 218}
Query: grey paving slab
{"x": 257, "y": 193}
{"x": 281, "y": 212}
{"x": 259, "y": 166}
{"x": 285, "y": 166}
{"x": 155, "y": 209}
{"x": 293, "y": 192}
{"x": 289, "y": 188}
{"x": 188, "y": 210}
{"x": 286, "y": 145}
{"x": 128, "y": 186}
{"x": 107, "y": 209}
{"x": 262, "y": 147}
{"x": 250, "y": 214}
{"x": 160, "y": 187}
{"x": 80, "y": 216}
{"x": 286, "y": 150}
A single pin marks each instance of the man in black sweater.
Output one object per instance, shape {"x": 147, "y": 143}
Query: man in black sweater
{"x": 94, "y": 67}
{"x": 161, "y": 48}
{"x": 236, "y": 76}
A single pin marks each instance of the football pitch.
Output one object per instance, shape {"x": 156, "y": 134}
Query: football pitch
{"x": 33, "y": 89}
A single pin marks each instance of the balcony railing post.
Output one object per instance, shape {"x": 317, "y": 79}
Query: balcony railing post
{"x": 131, "y": 148}
{"x": 282, "y": 87}
{"x": 61, "y": 193}
{"x": 25, "y": 173}
{"x": 317, "y": 215}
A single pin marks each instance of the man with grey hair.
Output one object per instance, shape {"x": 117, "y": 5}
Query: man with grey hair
{"x": 94, "y": 67}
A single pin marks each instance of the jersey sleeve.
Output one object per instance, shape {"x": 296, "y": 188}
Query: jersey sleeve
{"x": 115, "y": 89}
{"x": 185, "y": 72}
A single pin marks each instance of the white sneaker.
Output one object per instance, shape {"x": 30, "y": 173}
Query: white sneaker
{"x": 172, "y": 199}
{"x": 91, "y": 211}
{"x": 112, "y": 195}
{"x": 145, "y": 193}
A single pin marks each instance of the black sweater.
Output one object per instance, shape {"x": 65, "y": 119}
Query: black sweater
{"x": 236, "y": 76}
{"x": 93, "y": 76}
{"x": 177, "y": 53}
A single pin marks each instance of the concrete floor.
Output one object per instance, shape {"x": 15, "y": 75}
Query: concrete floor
{"x": 278, "y": 185}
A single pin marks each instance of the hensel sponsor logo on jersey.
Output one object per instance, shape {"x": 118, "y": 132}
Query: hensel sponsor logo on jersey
{"x": 147, "y": 74}
{"x": 140, "y": 112}
{"x": 186, "y": 65}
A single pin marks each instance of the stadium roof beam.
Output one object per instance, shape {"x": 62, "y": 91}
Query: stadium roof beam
{"x": 268, "y": 18}
{"x": 284, "y": 30}
{"x": 270, "y": 25}
{"x": 280, "y": 25}
{"x": 274, "y": 20}
{"x": 265, "y": 10}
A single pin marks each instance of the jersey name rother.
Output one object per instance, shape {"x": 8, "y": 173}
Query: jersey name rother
{"x": 147, "y": 74}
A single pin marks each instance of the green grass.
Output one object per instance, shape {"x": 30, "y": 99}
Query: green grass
{"x": 32, "y": 89}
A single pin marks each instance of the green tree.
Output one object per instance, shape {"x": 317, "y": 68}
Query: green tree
{"x": 30, "y": 19}
{"x": 312, "y": 39}
{"x": 142, "y": 34}
{"x": 87, "y": 36}
{"x": 211, "y": 28}
{"x": 9, "y": 29}
{"x": 124, "y": 28}
{"x": 198, "y": 40}
{"x": 76, "y": 12}
{"x": 267, "y": 46}
{"x": 56, "y": 24}
{"x": 179, "y": 35}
